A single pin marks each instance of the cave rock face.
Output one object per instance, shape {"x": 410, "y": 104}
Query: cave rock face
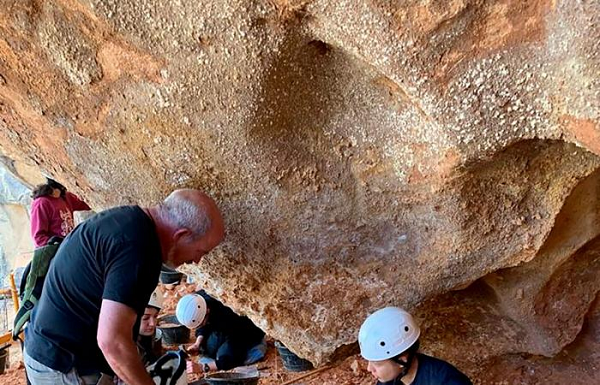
{"x": 364, "y": 153}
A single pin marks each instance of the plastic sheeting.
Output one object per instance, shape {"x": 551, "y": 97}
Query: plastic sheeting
{"x": 14, "y": 221}
{"x": 12, "y": 190}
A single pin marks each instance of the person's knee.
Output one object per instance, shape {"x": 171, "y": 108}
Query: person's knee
{"x": 215, "y": 342}
{"x": 256, "y": 353}
{"x": 229, "y": 357}
{"x": 226, "y": 361}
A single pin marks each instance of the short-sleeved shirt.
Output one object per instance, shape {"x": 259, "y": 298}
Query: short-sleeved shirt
{"x": 433, "y": 371}
{"x": 114, "y": 255}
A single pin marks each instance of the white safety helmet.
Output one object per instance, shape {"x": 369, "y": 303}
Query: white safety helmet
{"x": 387, "y": 333}
{"x": 191, "y": 310}
{"x": 156, "y": 299}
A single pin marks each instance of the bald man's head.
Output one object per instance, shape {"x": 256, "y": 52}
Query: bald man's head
{"x": 196, "y": 223}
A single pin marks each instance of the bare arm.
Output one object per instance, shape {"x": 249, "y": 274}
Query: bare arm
{"x": 195, "y": 347}
{"x": 115, "y": 338}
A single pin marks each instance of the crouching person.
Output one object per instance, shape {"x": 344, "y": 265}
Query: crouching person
{"x": 225, "y": 338}
{"x": 389, "y": 340}
{"x": 148, "y": 342}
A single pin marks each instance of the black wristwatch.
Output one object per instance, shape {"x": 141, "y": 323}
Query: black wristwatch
{"x": 206, "y": 368}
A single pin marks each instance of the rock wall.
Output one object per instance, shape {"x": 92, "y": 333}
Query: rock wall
{"x": 15, "y": 242}
{"x": 365, "y": 153}
{"x": 535, "y": 308}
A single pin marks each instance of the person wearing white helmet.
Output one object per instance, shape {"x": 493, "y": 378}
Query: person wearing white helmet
{"x": 226, "y": 338}
{"x": 149, "y": 346}
{"x": 148, "y": 342}
{"x": 191, "y": 311}
{"x": 389, "y": 341}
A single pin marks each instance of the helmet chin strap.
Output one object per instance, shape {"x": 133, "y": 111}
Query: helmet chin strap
{"x": 410, "y": 357}
{"x": 405, "y": 364}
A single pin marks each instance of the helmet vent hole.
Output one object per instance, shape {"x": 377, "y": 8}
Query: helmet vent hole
{"x": 382, "y": 343}
{"x": 406, "y": 329}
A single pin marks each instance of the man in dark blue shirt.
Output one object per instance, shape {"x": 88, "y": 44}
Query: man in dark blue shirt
{"x": 84, "y": 327}
{"x": 389, "y": 340}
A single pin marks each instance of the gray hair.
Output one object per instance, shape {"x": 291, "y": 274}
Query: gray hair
{"x": 179, "y": 211}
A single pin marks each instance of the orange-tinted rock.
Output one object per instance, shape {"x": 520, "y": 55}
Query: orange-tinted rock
{"x": 364, "y": 153}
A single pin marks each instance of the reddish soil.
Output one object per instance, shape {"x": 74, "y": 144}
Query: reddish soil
{"x": 579, "y": 363}
{"x": 350, "y": 371}
{"x": 15, "y": 374}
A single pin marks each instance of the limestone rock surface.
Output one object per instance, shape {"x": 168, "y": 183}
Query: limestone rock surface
{"x": 364, "y": 153}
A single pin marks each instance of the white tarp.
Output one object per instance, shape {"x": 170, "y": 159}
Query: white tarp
{"x": 15, "y": 241}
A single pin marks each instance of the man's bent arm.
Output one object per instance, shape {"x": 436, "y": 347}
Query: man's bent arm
{"x": 115, "y": 339}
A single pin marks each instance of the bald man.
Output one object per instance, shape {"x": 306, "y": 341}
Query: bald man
{"x": 83, "y": 330}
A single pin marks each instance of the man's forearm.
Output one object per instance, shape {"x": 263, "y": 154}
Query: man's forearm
{"x": 124, "y": 359}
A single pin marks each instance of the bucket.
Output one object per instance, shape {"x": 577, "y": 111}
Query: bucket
{"x": 292, "y": 362}
{"x": 230, "y": 378}
{"x": 4, "y": 359}
{"x": 170, "y": 276}
{"x": 173, "y": 332}
{"x": 170, "y": 368}
{"x": 158, "y": 336}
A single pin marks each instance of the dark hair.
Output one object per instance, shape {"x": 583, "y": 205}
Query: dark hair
{"x": 44, "y": 190}
{"x": 54, "y": 184}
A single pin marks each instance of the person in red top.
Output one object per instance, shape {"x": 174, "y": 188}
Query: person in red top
{"x": 52, "y": 211}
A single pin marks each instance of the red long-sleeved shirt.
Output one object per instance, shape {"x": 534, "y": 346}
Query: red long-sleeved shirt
{"x": 53, "y": 217}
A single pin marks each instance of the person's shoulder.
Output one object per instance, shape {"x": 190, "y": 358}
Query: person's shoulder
{"x": 424, "y": 359}
{"x": 215, "y": 306}
{"x": 124, "y": 223}
{"x": 125, "y": 210}
{"x": 42, "y": 201}
{"x": 121, "y": 215}
{"x": 442, "y": 370}
{"x": 210, "y": 301}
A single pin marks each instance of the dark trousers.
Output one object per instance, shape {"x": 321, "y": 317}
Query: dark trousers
{"x": 227, "y": 352}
